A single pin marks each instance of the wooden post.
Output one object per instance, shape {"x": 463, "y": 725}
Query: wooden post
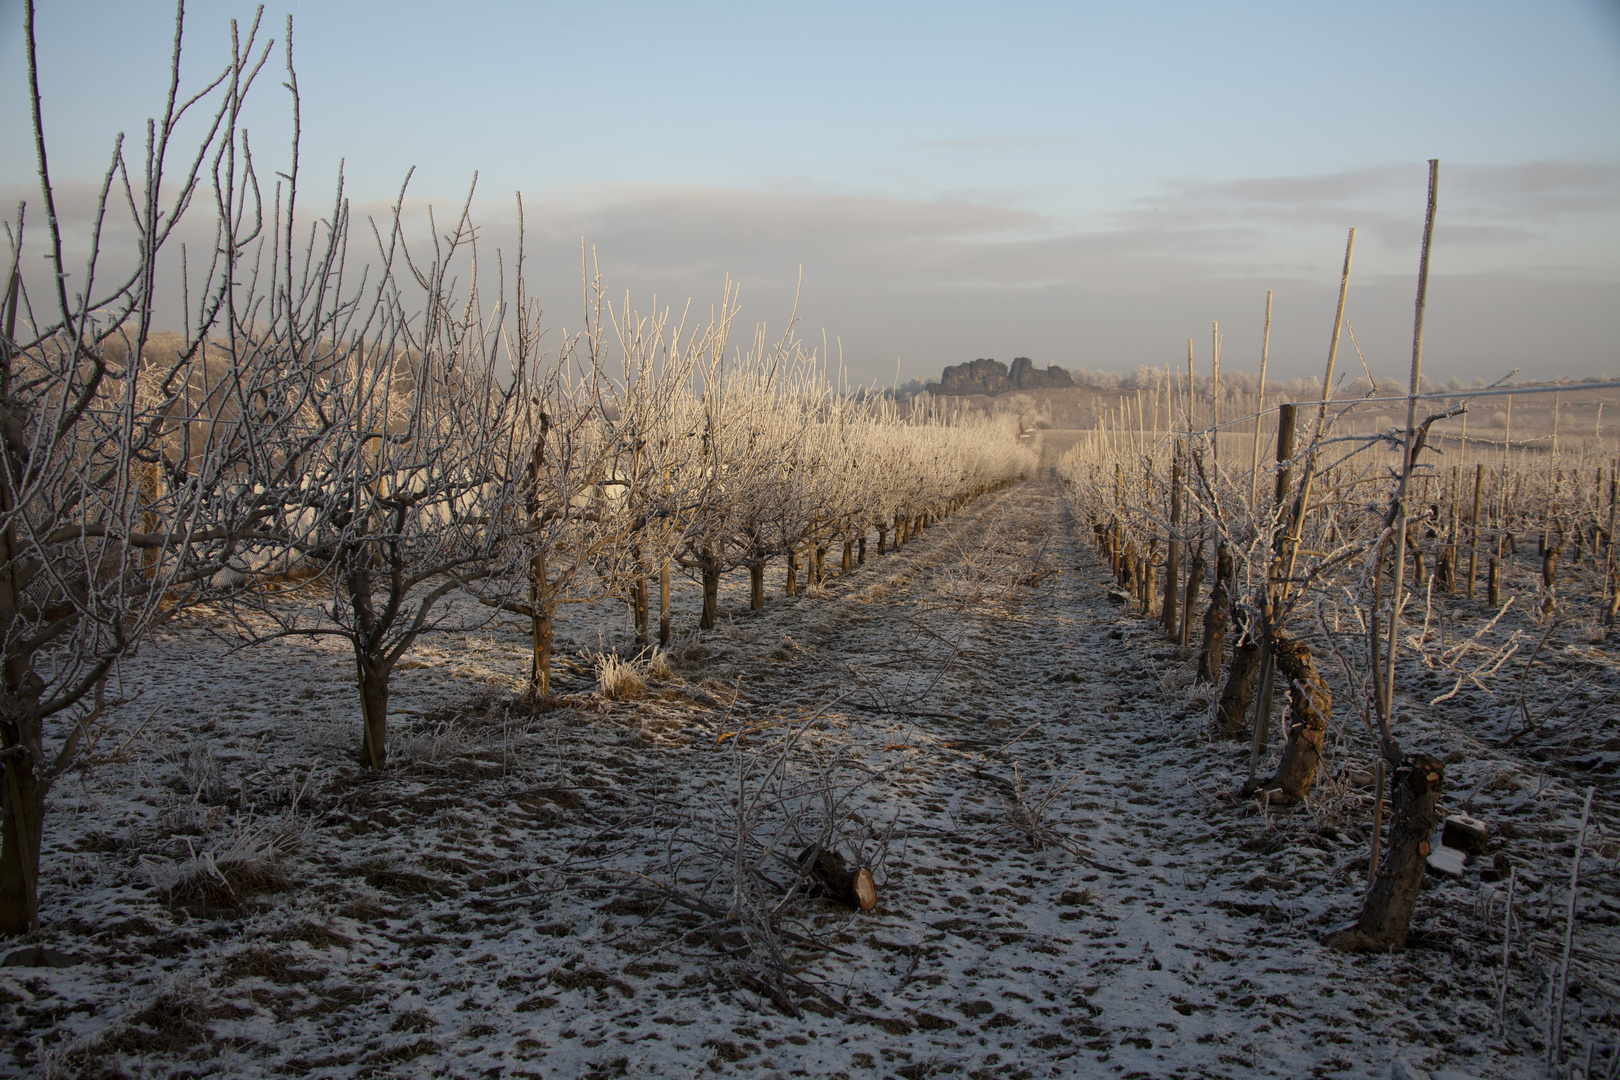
{"x": 1172, "y": 559}
{"x": 1612, "y": 573}
{"x": 1452, "y": 526}
{"x": 1191, "y": 394}
{"x": 638, "y": 600}
{"x": 1473, "y": 527}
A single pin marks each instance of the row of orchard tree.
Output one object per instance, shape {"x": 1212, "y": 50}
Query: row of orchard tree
{"x": 353, "y": 428}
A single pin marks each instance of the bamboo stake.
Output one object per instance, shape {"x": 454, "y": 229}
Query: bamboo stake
{"x": 1260, "y": 407}
{"x": 1507, "y": 952}
{"x": 1172, "y": 556}
{"x": 1403, "y": 511}
{"x": 1556, "y": 1021}
{"x": 1191, "y": 398}
{"x": 1215, "y": 392}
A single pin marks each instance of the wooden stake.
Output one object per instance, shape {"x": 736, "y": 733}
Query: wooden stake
{"x": 1403, "y": 509}
{"x": 1260, "y": 407}
{"x": 1473, "y": 528}
{"x": 1215, "y": 392}
{"x": 1172, "y": 559}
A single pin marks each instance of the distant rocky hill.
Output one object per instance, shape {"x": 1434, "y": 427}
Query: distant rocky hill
{"x": 993, "y": 377}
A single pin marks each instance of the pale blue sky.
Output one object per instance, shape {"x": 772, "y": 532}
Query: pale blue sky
{"x": 1084, "y": 184}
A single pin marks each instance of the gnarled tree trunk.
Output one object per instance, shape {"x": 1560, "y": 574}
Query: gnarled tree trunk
{"x": 756, "y": 585}
{"x": 1232, "y": 715}
{"x": 23, "y": 819}
{"x": 1386, "y": 914}
{"x": 709, "y": 566}
{"x": 372, "y": 673}
{"x": 1310, "y": 708}
{"x": 1213, "y": 653}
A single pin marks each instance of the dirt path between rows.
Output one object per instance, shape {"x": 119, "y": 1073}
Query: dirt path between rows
{"x": 1066, "y": 886}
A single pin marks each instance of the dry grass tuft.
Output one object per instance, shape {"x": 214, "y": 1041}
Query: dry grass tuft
{"x": 252, "y": 860}
{"x": 618, "y": 679}
{"x": 659, "y": 669}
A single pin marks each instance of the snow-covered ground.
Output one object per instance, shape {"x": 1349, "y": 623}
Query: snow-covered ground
{"x": 1067, "y": 883}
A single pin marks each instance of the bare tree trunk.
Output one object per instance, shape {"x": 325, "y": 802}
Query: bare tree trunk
{"x": 883, "y": 536}
{"x": 710, "y": 568}
{"x": 792, "y": 587}
{"x": 372, "y": 673}
{"x": 756, "y": 585}
{"x": 1419, "y": 570}
{"x": 663, "y": 605}
{"x": 1386, "y": 914}
{"x": 1311, "y": 707}
{"x": 23, "y": 828}
{"x": 849, "y": 555}
{"x": 1445, "y": 571}
{"x": 860, "y": 558}
{"x": 539, "y": 628}
{"x": 1232, "y": 715}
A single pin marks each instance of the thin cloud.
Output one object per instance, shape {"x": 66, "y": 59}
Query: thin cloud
{"x": 941, "y": 280}
{"x": 995, "y": 142}
{"x": 1483, "y": 204}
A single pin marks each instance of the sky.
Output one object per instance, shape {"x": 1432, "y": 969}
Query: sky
{"x": 1085, "y": 184}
